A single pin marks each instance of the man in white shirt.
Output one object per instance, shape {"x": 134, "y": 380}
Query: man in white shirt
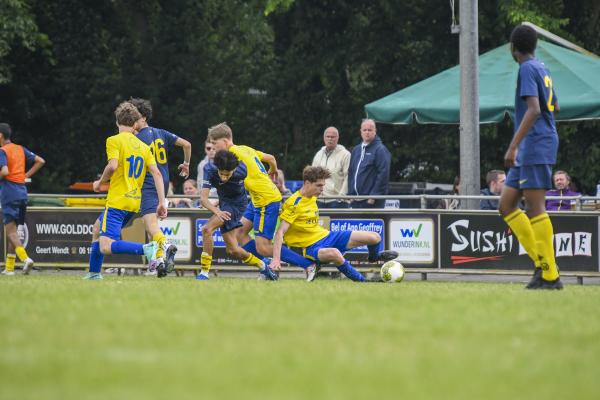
{"x": 336, "y": 159}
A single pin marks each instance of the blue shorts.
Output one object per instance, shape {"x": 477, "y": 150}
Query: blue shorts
{"x": 112, "y": 220}
{"x": 537, "y": 176}
{"x": 264, "y": 219}
{"x": 236, "y": 211}
{"x": 337, "y": 240}
{"x": 14, "y": 212}
{"x": 149, "y": 201}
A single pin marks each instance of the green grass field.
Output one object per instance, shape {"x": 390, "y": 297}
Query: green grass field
{"x": 145, "y": 338}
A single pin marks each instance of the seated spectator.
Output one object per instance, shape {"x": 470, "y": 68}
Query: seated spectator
{"x": 280, "y": 183}
{"x": 449, "y": 203}
{"x": 495, "y": 181}
{"x": 561, "y": 181}
{"x": 189, "y": 189}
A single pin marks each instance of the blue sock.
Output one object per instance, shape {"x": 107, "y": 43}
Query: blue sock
{"x": 373, "y": 251}
{"x": 350, "y": 272}
{"x": 123, "y": 247}
{"x": 250, "y": 247}
{"x": 294, "y": 258}
{"x": 96, "y": 258}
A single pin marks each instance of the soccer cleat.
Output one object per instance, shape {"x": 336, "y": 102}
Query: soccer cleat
{"x": 150, "y": 272}
{"x": 27, "y": 266}
{"x": 201, "y": 277}
{"x": 269, "y": 273}
{"x": 551, "y": 285}
{"x": 161, "y": 270}
{"x": 386, "y": 255}
{"x": 170, "y": 257}
{"x": 93, "y": 276}
{"x": 8, "y": 273}
{"x": 312, "y": 272}
{"x": 150, "y": 250}
{"x": 536, "y": 279}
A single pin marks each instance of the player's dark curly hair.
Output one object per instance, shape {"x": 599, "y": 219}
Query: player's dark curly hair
{"x": 144, "y": 107}
{"x": 5, "y": 130}
{"x": 313, "y": 174}
{"x": 524, "y": 39}
{"x": 225, "y": 160}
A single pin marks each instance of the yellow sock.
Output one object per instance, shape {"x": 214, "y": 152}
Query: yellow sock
{"x": 521, "y": 227}
{"x": 21, "y": 253}
{"x": 543, "y": 231}
{"x": 205, "y": 261}
{"x": 10, "y": 263}
{"x": 253, "y": 260}
{"x": 160, "y": 239}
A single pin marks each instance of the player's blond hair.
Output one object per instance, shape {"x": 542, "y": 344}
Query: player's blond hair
{"x": 220, "y": 131}
{"x": 313, "y": 174}
{"x": 127, "y": 114}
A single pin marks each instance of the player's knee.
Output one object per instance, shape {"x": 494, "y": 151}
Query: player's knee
{"x": 207, "y": 230}
{"x": 105, "y": 247}
{"x": 264, "y": 249}
{"x": 333, "y": 255}
{"x": 374, "y": 238}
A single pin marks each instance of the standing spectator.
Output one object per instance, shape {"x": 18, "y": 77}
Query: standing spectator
{"x": 279, "y": 181}
{"x": 189, "y": 189}
{"x": 336, "y": 159}
{"x": 17, "y": 164}
{"x": 209, "y": 151}
{"x": 561, "y": 180}
{"x": 495, "y": 181}
{"x": 369, "y": 170}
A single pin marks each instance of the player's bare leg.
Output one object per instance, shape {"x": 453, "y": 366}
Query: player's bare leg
{"x": 371, "y": 240}
{"x": 334, "y": 256}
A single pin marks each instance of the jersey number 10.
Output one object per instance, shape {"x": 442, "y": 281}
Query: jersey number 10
{"x": 136, "y": 164}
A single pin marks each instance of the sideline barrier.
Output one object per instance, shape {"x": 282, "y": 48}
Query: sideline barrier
{"x": 441, "y": 240}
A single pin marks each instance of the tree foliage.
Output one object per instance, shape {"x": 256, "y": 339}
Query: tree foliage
{"x": 278, "y": 71}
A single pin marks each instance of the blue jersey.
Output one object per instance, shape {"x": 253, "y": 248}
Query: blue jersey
{"x": 540, "y": 145}
{"x": 232, "y": 191}
{"x": 159, "y": 141}
{"x": 12, "y": 191}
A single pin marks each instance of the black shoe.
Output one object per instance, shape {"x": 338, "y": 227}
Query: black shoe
{"x": 161, "y": 270}
{"x": 170, "y": 258}
{"x": 386, "y": 255}
{"x": 551, "y": 285}
{"x": 536, "y": 280}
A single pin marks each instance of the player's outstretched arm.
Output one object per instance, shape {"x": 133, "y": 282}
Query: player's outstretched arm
{"x": 37, "y": 164}
{"x": 161, "y": 210}
{"x": 184, "y": 168}
{"x": 108, "y": 172}
{"x": 531, "y": 115}
{"x": 277, "y": 243}
{"x": 270, "y": 159}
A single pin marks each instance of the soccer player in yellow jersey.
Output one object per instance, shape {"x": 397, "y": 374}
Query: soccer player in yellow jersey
{"x": 265, "y": 199}
{"x": 300, "y": 227}
{"x": 128, "y": 160}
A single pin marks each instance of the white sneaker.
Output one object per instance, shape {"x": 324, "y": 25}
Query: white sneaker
{"x": 150, "y": 273}
{"x": 27, "y": 266}
{"x": 8, "y": 273}
{"x": 111, "y": 271}
{"x": 311, "y": 272}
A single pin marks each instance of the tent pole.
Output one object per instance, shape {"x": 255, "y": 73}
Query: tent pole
{"x": 469, "y": 103}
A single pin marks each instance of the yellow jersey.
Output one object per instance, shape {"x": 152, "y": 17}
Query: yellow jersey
{"x": 302, "y": 213}
{"x": 134, "y": 157}
{"x": 262, "y": 190}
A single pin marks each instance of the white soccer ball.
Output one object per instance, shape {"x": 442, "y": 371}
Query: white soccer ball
{"x": 392, "y": 271}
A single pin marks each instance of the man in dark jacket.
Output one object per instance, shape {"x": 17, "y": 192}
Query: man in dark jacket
{"x": 495, "y": 180}
{"x": 369, "y": 170}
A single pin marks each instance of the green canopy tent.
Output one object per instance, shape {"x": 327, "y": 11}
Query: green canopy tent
{"x": 436, "y": 100}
